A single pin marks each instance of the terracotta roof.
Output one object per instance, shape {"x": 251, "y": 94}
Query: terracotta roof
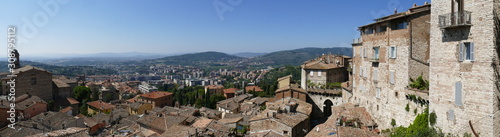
{"x": 100, "y": 105}
{"x": 291, "y": 88}
{"x": 179, "y": 131}
{"x": 230, "y": 120}
{"x": 60, "y": 84}
{"x": 65, "y": 110}
{"x": 230, "y": 90}
{"x": 202, "y": 123}
{"x": 72, "y": 101}
{"x": 156, "y": 94}
{"x": 24, "y": 101}
{"x": 214, "y": 87}
{"x": 253, "y": 88}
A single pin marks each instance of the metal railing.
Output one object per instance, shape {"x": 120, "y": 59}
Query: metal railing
{"x": 455, "y": 19}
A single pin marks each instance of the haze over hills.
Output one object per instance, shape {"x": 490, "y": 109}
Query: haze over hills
{"x": 208, "y": 60}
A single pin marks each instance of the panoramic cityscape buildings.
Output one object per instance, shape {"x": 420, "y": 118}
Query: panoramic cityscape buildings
{"x": 430, "y": 70}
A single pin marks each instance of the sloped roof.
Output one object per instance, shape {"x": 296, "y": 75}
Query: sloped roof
{"x": 156, "y": 94}
{"x": 230, "y": 90}
{"x": 253, "y": 88}
{"x": 72, "y": 101}
{"x": 100, "y": 105}
{"x": 60, "y": 84}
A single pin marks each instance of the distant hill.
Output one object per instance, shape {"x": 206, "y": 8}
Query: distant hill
{"x": 248, "y": 54}
{"x": 64, "y": 70}
{"x": 196, "y": 59}
{"x": 298, "y": 56}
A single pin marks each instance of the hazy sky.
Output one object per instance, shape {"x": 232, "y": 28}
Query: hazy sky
{"x": 181, "y": 26}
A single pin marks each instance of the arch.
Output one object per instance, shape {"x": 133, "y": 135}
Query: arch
{"x": 327, "y": 108}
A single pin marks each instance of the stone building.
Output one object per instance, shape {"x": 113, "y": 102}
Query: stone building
{"x": 464, "y": 66}
{"x": 30, "y": 80}
{"x": 157, "y": 98}
{"x": 390, "y": 51}
{"x": 214, "y": 89}
{"x": 323, "y": 70}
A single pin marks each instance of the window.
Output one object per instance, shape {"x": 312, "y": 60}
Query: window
{"x": 33, "y": 81}
{"x": 381, "y": 28}
{"x": 451, "y": 114}
{"x": 391, "y": 77}
{"x": 378, "y": 93}
{"x": 364, "y": 72}
{"x": 285, "y": 132}
{"x": 368, "y": 30}
{"x": 319, "y": 73}
{"x": 392, "y": 52}
{"x": 360, "y": 71}
{"x": 311, "y": 73}
{"x": 399, "y": 25}
{"x": 466, "y": 51}
{"x": 458, "y": 93}
{"x": 375, "y": 75}
{"x": 375, "y": 52}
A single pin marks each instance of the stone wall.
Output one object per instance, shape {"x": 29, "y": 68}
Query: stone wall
{"x": 479, "y": 99}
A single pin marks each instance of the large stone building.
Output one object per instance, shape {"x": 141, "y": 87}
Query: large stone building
{"x": 464, "y": 76}
{"x": 324, "y": 70}
{"x": 157, "y": 98}
{"x": 31, "y": 80}
{"x": 393, "y": 49}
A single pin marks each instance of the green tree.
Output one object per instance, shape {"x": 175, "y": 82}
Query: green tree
{"x": 83, "y": 108}
{"x": 393, "y": 122}
{"x": 199, "y": 103}
{"x": 214, "y": 99}
{"x": 81, "y": 92}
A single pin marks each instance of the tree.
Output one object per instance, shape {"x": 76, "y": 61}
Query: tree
{"x": 83, "y": 108}
{"x": 81, "y": 92}
{"x": 214, "y": 99}
{"x": 199, "y": 103}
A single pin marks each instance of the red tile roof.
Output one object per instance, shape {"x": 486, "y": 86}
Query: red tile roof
{"x": 156, "y": 94}
{"x": 214, "y": 87}
{"x": 253, "y": 88}
{"x": 66, "y": 109}
{"x": 100, "y": 105}
{"x": 72, "y": 101}
{"x": 230, "y": 90}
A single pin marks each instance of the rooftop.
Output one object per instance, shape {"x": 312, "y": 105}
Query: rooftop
{"x": 100, "y": 105}
{"x": 156, "y": 94}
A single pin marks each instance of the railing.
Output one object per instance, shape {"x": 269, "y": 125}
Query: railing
{"x": 455, "y": 19}
{"x": 357, "y": 41}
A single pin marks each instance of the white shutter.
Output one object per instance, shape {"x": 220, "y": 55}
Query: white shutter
{"x": 319, "y": 73}
{"x": 461, "y": 52}
{"x": 391, "y": 77}
{"x": 471, "y": 51}
{"x": 364, "y": 72}
{"x": 311, "y": 73}
{"x": 353, "y": 52}
{"x": 360, "y": 71}
{"x": 353, "y": 69}
{"x": 375, "y": 75}
{"x": 378, "y": 93}
{"x": 458, "y": 93}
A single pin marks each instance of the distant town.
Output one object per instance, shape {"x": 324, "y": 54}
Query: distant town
{"x": 431, "y": 70}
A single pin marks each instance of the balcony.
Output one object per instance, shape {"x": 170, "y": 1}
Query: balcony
{"x": 357, "y": 41}
{"x": 455, "y": 19}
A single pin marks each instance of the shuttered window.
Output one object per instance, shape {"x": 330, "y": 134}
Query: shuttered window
{"x": 375, "y": 75}
{"x": 391, "y": 77}
{"x": 458, "y": 93}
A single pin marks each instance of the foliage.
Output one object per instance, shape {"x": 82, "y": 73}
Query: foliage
{"x": 419, "y": 128}
{"x": 393, "y": 122}
{"x": 407, "y": 108}
{"x": 269, "y": 82}
{"x": 199, "y": 103}
{"x": 81, "y": 92}
{"x": 415, "y": 111}
{"x": 432, "y": 118}
{"x": 214, "y": 99}
{"x": 83, "y": 108}
{"x": 419, "y": 83}
{"x": 417, "y": 99}
{"x": 263, "y": 107}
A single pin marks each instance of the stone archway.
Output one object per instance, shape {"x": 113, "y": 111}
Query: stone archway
{"x": 327, "y": 108}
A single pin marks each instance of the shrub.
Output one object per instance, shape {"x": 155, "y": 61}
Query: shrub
{"x": 415, "y": 111}
{"x": 407, "y": 108}
{"x": 419, "y": 83}
{"x": 432, "y": 118}
{"x": 393, "y": 122}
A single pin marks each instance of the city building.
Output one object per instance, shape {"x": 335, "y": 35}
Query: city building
{"x": 30, "y": 80}
{"x": 27, "y": 106}
{"x": 157, "y": 98}
{"x": 464, "y": 76}
{"x": 99, "y": 106}
{"x": 214, "y": 89}
{"x": 392, "y": 50}
{"x": 324, "y": 70}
